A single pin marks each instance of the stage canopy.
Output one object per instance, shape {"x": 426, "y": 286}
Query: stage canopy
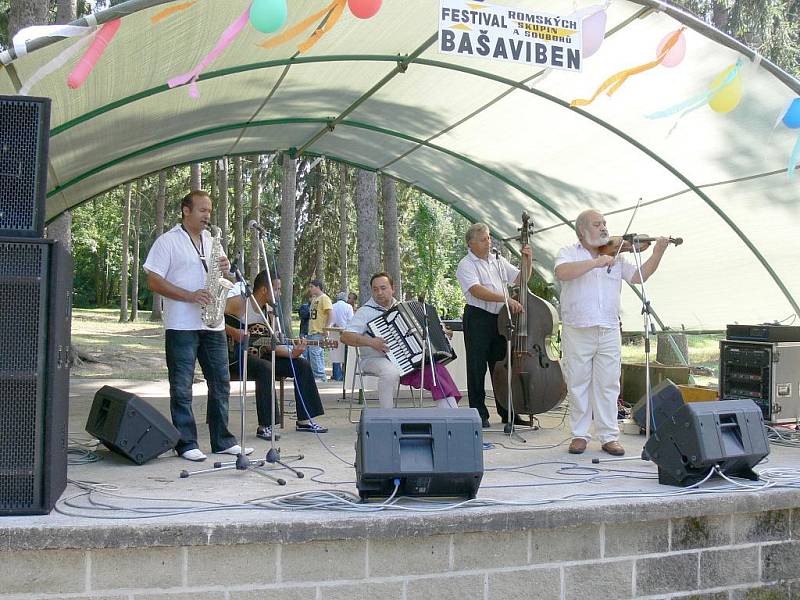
{"x": 491, "y": 138}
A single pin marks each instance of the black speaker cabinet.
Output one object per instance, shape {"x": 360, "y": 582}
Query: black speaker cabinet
{"x": 701, "y": 435}
{"x": 427, "y": 451}
{"x": 666, "y": 400}
{"x": 24, "y": 135}
{"x": 36, "y": 301}
{"x": 129, "y": 426}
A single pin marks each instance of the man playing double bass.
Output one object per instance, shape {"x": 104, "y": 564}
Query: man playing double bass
{"x": 482, "y": 277}
{"x": 590, "y": 336}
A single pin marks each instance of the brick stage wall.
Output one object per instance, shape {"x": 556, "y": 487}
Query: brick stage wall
{"x": 737, "y": 556}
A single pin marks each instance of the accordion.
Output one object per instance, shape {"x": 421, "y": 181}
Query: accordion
{"x": 403, "y": 329}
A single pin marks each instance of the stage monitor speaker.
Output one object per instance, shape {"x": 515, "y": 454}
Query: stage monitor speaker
{"x": 427, "y": 451}
{"x": 729, "y": 435}
{"x": 36, "y": 300}
{"x": 24, "y": 135}
{"x": 666, "y": 400}
{"x": 129, "y": 426}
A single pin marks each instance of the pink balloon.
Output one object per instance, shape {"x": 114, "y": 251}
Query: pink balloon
{"x": 364, "y": 9}
{"x": 592, "y": 32}
{"x": 676, "y": 54}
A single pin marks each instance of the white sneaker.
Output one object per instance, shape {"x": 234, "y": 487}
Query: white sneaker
{"x": 236, "y": 450}
{"x": 194, "y": 454}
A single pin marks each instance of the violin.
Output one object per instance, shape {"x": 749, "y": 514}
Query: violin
{"x": 630, "y": 243}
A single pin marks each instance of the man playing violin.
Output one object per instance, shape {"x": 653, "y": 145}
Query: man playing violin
{"x": 591, "y": 284}
{"x": 288, "y": 361}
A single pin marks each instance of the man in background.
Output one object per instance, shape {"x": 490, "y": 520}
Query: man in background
{"x": 321, "y": 317}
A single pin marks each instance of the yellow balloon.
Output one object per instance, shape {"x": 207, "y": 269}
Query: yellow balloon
{"x": 728, "y": 97}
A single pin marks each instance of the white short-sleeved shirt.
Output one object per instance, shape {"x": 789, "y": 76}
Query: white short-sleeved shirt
{"x": 358, "y": 324}
{"x": 342, "y": 313}
{"x": 592, "y": 300}
{"x": 175, "y": 258}
{"x": 253, "y": 316}
{"x": 473, "y": 270}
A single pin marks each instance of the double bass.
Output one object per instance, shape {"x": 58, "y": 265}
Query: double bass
{"x": 537, "y": 383}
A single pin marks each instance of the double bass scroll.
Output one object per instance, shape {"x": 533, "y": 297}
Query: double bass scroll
{"x": 537, "y": 383}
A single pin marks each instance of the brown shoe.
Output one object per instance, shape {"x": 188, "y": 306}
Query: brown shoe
{"x": 577, "y": 446}
{"x": 614, "y": 448}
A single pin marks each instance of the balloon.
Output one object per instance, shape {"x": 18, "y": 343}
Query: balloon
{"x": 791, "y": 118}
{"x": 592, "y": 32}
{"x": 676, "y": 53}
{"x": 268, "y": 16}
{"x": 364, "y": 9}
{"x": 728, "y": 97}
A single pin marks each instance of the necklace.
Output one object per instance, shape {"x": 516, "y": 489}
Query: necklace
{"x": 201, "y": 250}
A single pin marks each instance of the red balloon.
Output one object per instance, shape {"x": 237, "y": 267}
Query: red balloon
{"x": 364, "y": 9}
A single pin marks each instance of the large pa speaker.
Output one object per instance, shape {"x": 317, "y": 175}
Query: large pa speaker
{"x": 666, "y": 399}
{"x": 36, "y": 300}
{"x": 129, "y": 426}
{"x": 700, "y": 436}
{"x": 24, "y": 135}
{"x": 421, "y": 451}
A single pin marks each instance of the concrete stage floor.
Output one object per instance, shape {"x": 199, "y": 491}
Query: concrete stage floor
{"x": 537, "y": 474}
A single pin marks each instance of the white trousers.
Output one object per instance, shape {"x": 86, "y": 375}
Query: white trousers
{"x": 592, "y": 367}
{"x": 388, "y": 378}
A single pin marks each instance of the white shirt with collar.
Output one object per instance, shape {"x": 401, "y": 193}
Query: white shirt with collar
{"x": 175, "y": 258}
{"x": 473, "y": 270}
{"x": 593, "y": 299}
{"x": 358, "y": 324}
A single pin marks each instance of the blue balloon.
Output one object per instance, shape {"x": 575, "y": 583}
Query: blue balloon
{"x": 268, "y": 16}
{"x": 791, "y": 117}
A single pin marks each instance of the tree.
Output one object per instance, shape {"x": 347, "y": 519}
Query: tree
{"x": 287, "y": 245}
{"x": 222, "y": 203}
{"x": 343, "y": 228}
{"x": 195, "y": 177}
{"x": 137, "y": 223}
{"x": 391, "y": 236}
{"x": 367, "y": 231}
{"x": 255, "y": 215}
{"x": 161, "y": 198}
{"x": 238, "y": 207}
{"x": 24, "y": 13}
{"x": 66, "y": 11}
{"x": 123, "y": 282}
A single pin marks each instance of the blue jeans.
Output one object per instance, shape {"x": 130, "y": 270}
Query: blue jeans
{"x": 316, "y": 356}
{"x": 338, "y": 373}
{"x": 183, "y": 349}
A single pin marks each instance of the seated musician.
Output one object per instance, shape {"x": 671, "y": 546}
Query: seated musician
{"x": 288, "y": 361}
{"x": 373, "y": 352}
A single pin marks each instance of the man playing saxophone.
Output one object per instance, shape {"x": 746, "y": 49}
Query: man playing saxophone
{"x": 178, "y": 268}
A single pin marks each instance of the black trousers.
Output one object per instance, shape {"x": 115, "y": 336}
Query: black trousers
{"x": 484, "y": 346}
{"x": 306, "y": 395}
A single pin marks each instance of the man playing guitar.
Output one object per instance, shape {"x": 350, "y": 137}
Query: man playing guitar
{"x": 288, "y": 360}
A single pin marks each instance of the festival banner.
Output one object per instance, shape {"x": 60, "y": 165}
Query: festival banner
{"x": 482, "y": 30}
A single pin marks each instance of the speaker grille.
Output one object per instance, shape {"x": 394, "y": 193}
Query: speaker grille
{"x": 23, "y": 177}
{"x": 23, "y": 270}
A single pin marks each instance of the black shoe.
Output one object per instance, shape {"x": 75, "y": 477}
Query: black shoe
{"x": 265, "y": 433}
{"x": 520, "y": 421}
{"x": 485, "y": 424}
{"x": 311, "y": 426}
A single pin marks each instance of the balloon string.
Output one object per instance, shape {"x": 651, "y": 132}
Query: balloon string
{"x": 794, "y": 158}
{"x": 613, "y": 83}
{"x": 335, "y": 9}
{"x": 167, "y": 12}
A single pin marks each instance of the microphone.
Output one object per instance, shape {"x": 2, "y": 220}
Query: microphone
{"x": 496, "y": 252}
{"x": 235, "y": 269}
{"x": 254, "y": 225}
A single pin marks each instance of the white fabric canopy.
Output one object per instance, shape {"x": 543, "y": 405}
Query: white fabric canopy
{"x": 490, "y": 138}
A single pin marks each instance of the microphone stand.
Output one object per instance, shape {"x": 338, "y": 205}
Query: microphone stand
{"x": 242, "y": 462}
{"x": 427, "y": 350}
{"x": 509, "y": 427}
{"x": 273, "y": 455}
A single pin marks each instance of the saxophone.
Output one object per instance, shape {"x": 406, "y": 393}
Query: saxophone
{"x": 216, "y": 285}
